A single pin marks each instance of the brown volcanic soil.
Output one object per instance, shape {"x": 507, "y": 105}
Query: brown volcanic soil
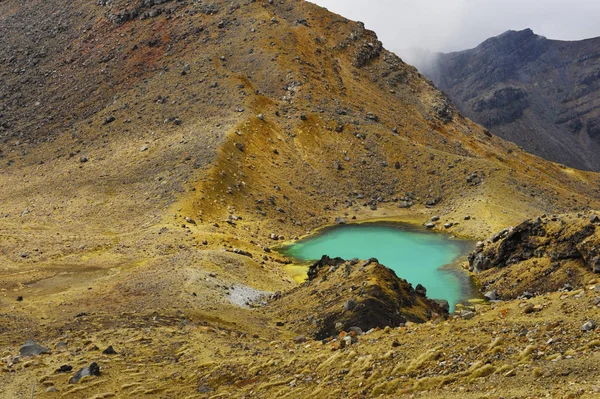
{"x": 231, "y": 123}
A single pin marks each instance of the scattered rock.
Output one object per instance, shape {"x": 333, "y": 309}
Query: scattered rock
{"x": 109, "y": 119}
{"x": 350, "y": 304}
{"x": 30, "y": 348}
{"x": 405, "y": 204}
{"x": 467, "y": 315}
{"x": 588, "y": 326}
{"x": 92, "y": 370}
{"x": 431, "y": 202}
{"x": 528, "y": 308}
{"x": 510, "y": 373}
{"x": 491, "y": 295}
{"x": 421, "y": 290}
{"x": 339, "y": 220}
{"x": 443, "y": 304}
{"x": 478, "y": 262}
{"x": 241, "y": 252}
{"x": 356, "y": 330}
{"x": 65, "y": 368}
{"x": 109, "y": 351}
{"x": 205, "y": 389}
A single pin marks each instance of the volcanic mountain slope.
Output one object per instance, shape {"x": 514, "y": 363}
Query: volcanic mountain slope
{"x": 153, "y": 151}
{"x": 538, "y": 93}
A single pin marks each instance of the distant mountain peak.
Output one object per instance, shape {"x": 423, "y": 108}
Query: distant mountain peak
{"x": 521, "y": 33}
{"x": 510, "y": 38}
{"x": 542, "y": 94}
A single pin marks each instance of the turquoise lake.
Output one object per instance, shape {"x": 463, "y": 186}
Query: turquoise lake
{"x": 415, "y": 255}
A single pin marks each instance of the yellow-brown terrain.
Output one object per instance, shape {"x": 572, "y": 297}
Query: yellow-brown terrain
{"x": 148, "y": 148}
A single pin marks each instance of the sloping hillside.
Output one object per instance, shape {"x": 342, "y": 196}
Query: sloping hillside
{"x": 152, "y": 149}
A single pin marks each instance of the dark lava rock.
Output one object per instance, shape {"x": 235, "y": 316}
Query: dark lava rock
{"x": 30, "y": 348}
{"x": 65, "y": 368}
{"x": 368, "y": 49}
{"x": 108, "y": 120}
{"x": 350, "y": 304}
{"x": 92, "y": 370}
{"x": 109, "y": 351}
{"x": 354, "y": 296}
{"x": 550, "y": 243}
{"x": 443, "y": 304}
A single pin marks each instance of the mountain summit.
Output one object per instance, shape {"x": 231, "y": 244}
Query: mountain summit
{"x": 541, "y": 94}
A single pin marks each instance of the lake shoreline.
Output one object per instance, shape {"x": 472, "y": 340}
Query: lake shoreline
{"x": 400, "y": 244}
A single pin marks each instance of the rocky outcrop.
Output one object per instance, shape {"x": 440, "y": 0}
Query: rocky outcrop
{"x": 144, "y": 10}
{"x": 541, "y": 94}
{"x": 539, "y": 255}
{"x": 340, "y": 295}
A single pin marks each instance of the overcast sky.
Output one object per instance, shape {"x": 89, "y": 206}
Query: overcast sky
{"x": 451, "y": 25}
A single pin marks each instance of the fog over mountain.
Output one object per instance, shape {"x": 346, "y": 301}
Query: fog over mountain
{"x": 541, "y": 94}
{"x": 445, "y": 26}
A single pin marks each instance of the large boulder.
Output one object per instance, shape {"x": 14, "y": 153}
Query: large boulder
{"x": 31, "y": 348}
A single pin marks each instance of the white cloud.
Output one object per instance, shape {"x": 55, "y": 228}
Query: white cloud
{"x": 450, "y": 25}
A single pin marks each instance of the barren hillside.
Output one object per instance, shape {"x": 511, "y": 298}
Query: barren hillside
{"x": 152, "y": 149}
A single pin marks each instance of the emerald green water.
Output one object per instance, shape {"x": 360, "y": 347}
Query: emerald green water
{"x": 417, "y": 256}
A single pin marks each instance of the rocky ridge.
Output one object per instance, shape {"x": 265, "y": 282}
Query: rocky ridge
{"x": 546, "y": 254}
{"x": 343, "y": 295}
